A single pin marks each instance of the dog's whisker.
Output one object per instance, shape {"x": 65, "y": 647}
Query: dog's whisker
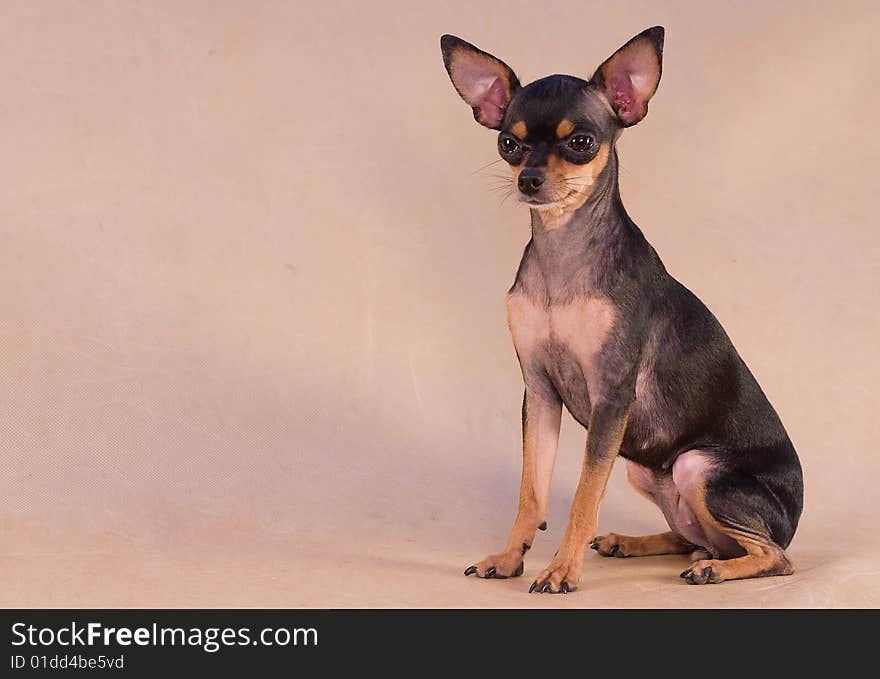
{"x": 487, "y": 165}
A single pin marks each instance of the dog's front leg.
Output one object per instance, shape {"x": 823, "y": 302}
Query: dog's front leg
{"x": 604, "y": 435}
{"x": 542, "y": 412}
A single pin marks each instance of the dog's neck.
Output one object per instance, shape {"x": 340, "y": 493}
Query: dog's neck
{"x": 591, "y": 241}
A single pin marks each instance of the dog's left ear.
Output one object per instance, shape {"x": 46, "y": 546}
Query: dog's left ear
{"x": 485, "y": 82}
{"x": 630, "y": 76}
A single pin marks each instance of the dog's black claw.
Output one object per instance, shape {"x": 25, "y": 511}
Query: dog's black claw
{"x": 526, "y": 547}
{"x": 543, "y": 526}
{"x": 595, "y": 544}
{"x": 547, "y": 587}
{"x": 686, "y": 573}
{"x": 470, "y": 570}
{"x": 564, "y": 587}
{"x": 490, "y": 573}
{"x": 708, "y": 573}
{"x": 533, "y": 587}
{"x": 613, "y": 551}
{"x": 519, "y": 570}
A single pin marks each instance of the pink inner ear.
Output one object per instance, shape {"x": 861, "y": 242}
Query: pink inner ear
{"x": 620, "y": 91}
{"x": 482, "y": 84}
{"x": 631, "y": 77}
{"x": 490, "y": 110}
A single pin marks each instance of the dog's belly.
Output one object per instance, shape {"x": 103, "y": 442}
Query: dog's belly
{"x": 650, "y": 433}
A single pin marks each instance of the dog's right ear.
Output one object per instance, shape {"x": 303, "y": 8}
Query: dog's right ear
{"x": 487, "y": 84}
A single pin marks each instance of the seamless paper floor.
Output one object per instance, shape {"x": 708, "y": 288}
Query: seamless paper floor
{"x": 253, "y": 346}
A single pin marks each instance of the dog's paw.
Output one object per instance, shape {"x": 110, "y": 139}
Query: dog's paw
{"x": 612, "y": 545}
{"x": 704, "y": 572}
{"x": 560, "y": 577}
{"x": 499, "y": 566}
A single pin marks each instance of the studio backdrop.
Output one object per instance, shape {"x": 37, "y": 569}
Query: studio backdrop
{"x": 253, "y": 343}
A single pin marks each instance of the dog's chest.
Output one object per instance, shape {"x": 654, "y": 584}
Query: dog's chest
{"x": 565, "y": 340}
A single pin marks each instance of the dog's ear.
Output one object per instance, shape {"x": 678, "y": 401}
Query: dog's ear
{"x": 487, "y": 84}
{"x": 630, "y": 76}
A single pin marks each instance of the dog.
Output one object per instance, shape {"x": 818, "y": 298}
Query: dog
{"x": 600, "y": 327}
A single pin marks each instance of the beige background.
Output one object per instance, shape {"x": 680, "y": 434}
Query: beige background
{"x": 253, "y": 349}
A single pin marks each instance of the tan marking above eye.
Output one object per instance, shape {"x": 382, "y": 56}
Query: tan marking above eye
{"x": 519, "y": 130}
{"x": 564, "y": 128}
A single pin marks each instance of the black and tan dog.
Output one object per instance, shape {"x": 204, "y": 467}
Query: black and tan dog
{"x": 600, "y": 327}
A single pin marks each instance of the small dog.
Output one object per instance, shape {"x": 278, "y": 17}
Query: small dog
{"x": 600, "y": 327}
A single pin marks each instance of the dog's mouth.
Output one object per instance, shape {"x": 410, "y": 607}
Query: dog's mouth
{"x": 544, "y": 203}
{"x": 534, "y": 202}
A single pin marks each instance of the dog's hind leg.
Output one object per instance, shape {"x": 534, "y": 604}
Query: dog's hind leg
{"x": 646, "y": 545}
{"x": 741, "y": 520}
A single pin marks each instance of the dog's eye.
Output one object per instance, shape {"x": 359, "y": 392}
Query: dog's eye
{"x": 581, "y": 143}
{"x": 507, "y": 145}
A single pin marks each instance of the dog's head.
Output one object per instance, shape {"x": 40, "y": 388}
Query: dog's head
{"x": 557, "y": 133}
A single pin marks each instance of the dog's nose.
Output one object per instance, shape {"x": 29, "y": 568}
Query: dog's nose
{"x": 530, "y": 181}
